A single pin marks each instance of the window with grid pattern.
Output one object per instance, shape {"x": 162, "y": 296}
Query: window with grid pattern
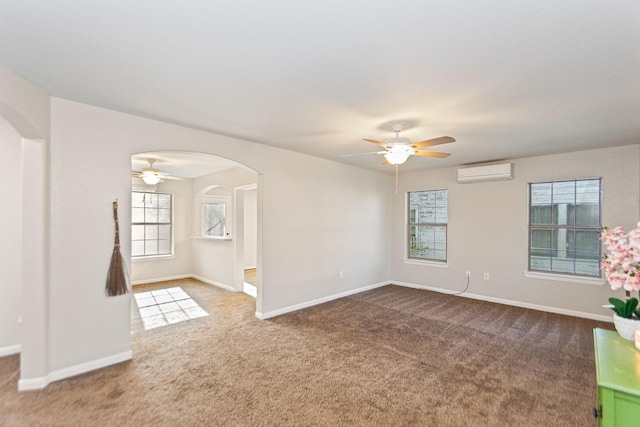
{"x": 151, "y": 224}
{"x": 564, "y": 227}
{"x": 427, "y": 225}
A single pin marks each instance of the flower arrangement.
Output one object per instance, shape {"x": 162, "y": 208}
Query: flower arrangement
{"x": 621, "y": 267}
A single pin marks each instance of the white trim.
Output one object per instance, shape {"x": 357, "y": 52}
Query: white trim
{"x": 538, "y": 307}
{"x": 153, "y": 257}
{"x": 71, "y": 371}
{"x": 322, "y": 300}
{"x": 10, "y": 349}
{"x": 224, "y": 239}
{"x": 185, "y": 276}
{"x": 564, "y": 278}
{"x": 425, "y": 263}
{"x": 32, "y": 384}
{"x": 162, "y": 279}
{"x": 214, "y": 283}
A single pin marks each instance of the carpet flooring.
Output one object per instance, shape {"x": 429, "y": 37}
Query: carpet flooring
{"x": 386, "y": 357}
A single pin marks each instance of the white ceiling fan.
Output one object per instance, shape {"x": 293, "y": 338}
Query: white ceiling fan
{"x": 151, "y": 175}
{"x": 398, "y": 149}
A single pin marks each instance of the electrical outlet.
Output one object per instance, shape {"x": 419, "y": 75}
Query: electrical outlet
{"x": 341, "y": 274}
{"x": 468, "y": 273}
{"x": 486, "y": 276}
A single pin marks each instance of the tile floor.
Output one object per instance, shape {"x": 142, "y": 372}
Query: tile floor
{"x": 166, "y": 306}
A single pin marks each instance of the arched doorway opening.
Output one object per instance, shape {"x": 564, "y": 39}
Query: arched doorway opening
{"x": 197, "y": 224}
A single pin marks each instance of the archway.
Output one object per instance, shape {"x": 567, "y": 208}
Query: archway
{"x": 203, "y": 245}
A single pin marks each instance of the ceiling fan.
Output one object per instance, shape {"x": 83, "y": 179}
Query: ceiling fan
{"x": 397, "y": 150}
{"x": 151, "y": 175}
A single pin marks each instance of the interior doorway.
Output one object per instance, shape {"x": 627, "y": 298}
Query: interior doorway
{"x": 213, "y": 220}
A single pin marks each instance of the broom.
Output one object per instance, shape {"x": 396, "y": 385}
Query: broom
{"x": 116, "y": 278}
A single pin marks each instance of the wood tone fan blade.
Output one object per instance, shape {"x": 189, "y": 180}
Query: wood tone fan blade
{"x": 434, "y": 141}
{"x": 385, "y": 161}
{"x": 432, "y": 154}
{"x": 380, "y": 143}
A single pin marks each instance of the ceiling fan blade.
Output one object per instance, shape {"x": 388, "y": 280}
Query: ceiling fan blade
{"x": 380, "y": 143}
{"x": 171, "y": 177}
{"x": 434, "y": 141}
{"x": 435, "y": 154}
{"x": 362, "y": 154}
{"x": 385, "y": 161}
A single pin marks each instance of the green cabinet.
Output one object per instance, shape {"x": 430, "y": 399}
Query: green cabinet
{"x": 618, "y": 378}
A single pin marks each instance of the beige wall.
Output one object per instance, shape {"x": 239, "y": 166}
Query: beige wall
{"x": 11, "y": 236}
{"x": 488, "y": 229}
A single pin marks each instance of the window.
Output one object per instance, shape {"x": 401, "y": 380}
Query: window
{"x": 427, "y": 225}
{"x": 216, "y": 211}
{"x": 150, "y": 224}
{"x": 564, "y": 227}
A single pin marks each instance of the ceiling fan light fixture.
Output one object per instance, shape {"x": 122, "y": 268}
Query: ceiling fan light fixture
{"x": 397, "y": 158}
{"x": 150, "y": 178}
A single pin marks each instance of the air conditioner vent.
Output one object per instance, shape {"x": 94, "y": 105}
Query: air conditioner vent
{"x": 485, "y": 173}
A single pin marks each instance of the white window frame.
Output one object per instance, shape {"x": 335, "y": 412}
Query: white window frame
{"x": 424, "y": 260}
{"x": 573, "y": 276}
{"x": 168, "y": 254}
{"x": 228, "y": 216}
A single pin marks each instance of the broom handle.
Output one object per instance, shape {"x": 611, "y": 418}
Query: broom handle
{"x": 115, "y": 218}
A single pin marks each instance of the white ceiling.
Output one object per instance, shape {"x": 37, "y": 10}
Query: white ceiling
{"x": 504, "y": 78}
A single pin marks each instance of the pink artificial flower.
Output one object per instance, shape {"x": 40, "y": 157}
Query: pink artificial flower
{"x": 621, "y": 265}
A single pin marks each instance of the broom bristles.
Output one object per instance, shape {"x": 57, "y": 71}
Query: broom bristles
{"x": 116, "y": 278}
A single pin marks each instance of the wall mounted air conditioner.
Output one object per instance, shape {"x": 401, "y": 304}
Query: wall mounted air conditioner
{"x": 484, "y": 173}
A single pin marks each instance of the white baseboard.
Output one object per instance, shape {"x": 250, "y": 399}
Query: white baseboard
{"x": 213, "y": 282}
{"x": 71, "y": 371}
{"x": 161, "y": 279}
{"x": 538, "y": 307}
{"x": 311, "y": 303}
{"x": 10, "y": 349}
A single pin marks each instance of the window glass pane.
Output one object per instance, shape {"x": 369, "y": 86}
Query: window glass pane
{"x": 150, "y": 232}
{"x": 164, "y": 232}
{"x": 588, "y": 202}
{"x": 428, "y": 242}
{"x": 164, "y": 246}
{"x": 164, "y": 201}
{"x": 137, "y": 248}
{"x": 150, "y": 200}
{"x": 540, "y": 241}
{"x": 541, "y": 194}
{"x": 215, "y": 219}
{"x": 151, "y": 247}
{"x": 563, "y": 255}
{"x": 136, "y": 199}
{"x": 541, "y": 215}
{"x": 428, "y": 207}
{"x": 151, "y": 215}
{"x": 164, "y": 215}
{"x": 137, "y": 215}
{"x": 137, "y": 232}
